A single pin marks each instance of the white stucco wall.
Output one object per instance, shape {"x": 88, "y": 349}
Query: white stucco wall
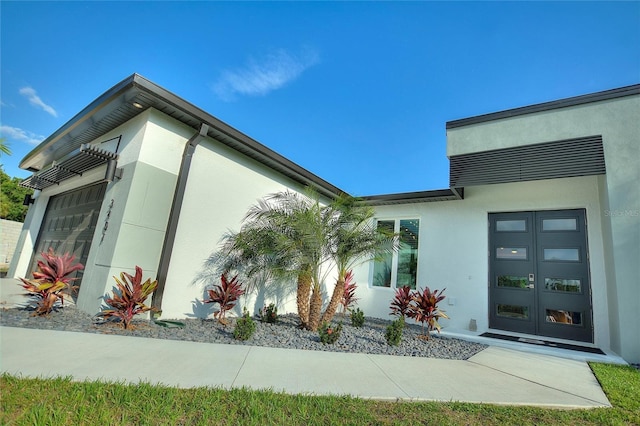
{"x": 618, "y": 121}
{"x": 151, "y": 151}
{"x": 454, "y": 242}
{"x": 222, "y": 185}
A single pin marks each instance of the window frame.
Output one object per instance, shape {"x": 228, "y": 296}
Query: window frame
{"x": 395, "y": 256}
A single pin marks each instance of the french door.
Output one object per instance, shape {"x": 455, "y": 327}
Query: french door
{"x": 539, "y": 274}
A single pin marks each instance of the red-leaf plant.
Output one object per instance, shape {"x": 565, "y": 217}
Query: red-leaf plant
{"x": 424, "y": 308}
{"x": 225, "y": 295}
{"x": 129, "y": 297}
{"x": 51, "y": 281}
{"x": 401, "y": 301}
{"x": 349, "y": 298}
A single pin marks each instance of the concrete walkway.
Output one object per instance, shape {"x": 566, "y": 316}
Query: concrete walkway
{"x": 496, "y": 375}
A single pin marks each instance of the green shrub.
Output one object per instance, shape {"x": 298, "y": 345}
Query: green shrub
{"x": 269, "y": 314}
{"x": 394, "y": 332}
{"x": 245, "y": 326}
{"x": 357, "y": 318}
{"x": 329, "y": 333}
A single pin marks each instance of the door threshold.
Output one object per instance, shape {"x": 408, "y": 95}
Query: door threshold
{"x": 545, "y": 343}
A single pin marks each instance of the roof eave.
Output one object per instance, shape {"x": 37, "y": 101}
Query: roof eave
{"x": 547, "y": 106}
{"x": 134, "y": 85}
{"x": 415, "y": 197}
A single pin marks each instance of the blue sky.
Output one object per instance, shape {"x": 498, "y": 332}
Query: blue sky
{"x": 356, "y": 92}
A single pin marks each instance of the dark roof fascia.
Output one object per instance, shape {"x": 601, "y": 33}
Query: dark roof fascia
{"x": 220, "y": 126}
{"x": 414, "y": 197}
{"x": 141, "y": 84}
{"x": 547, "y": 106}
{"x": 86, "y": 113}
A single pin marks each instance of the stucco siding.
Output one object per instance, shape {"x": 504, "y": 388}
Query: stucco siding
{"x": 222, "y": 185}
{"x": 136, "y": 208}
{"x": 618, "y": 121}
{"x": 453, "y": 247}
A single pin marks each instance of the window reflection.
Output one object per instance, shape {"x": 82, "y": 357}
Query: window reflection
{"x": 564, "y": 317}
{"x": 405, "y": 259}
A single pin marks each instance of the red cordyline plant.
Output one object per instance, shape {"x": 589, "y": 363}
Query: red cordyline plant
{"x": 401, "y": 302}
{"x": 225, "y": 295}
{"x": 424, "y": 308}
{"x": 129, "y": 297}
{"x": 51, "y": 280}
{"x": 349, "y": 298}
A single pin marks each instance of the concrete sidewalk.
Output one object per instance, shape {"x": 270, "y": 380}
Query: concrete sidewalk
{"x": 495, "y": 375}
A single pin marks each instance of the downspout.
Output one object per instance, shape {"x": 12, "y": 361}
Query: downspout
{"x": 174, "y": 215}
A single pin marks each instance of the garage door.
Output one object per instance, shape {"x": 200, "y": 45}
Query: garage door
{"x": 70, "y": 223}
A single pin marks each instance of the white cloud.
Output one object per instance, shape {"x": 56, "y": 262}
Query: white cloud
{"x": 34, "y": 99}
{"x": 15, "y": 133}
{"x": 258, "y": 78}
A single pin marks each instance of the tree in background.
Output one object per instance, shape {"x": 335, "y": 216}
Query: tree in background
{"x": 4, "y": 147}
{"x": 11, "y": 193}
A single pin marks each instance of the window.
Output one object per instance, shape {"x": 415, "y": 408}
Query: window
{"x": 399, "y": 269}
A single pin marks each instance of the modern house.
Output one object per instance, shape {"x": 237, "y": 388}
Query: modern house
{"x": 538, "y": 235}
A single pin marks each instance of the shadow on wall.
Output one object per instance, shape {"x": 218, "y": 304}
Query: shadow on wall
{"x": 261, "y": 290}
{"x": 199, "y": 309}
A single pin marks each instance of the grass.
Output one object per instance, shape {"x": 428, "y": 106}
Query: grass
{"x": 61, "y": 401}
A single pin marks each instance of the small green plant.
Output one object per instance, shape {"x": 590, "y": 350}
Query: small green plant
{"x": 245, "y": 327}
{"x": 129, "y": 297}
{"x": 329, "y": 333}
{"x": 393, "y": 334}
{"x": 51, "y": 280}
{"x": 357, "y": 318}
{"x": 269, "y": 313}
{"x": 225, "y": 295}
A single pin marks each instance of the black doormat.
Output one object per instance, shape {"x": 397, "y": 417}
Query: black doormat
{"x": 543, "y": 343}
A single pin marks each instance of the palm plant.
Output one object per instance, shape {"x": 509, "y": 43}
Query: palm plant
{"x": 353, "y": 239}
{"x": 4, "y": 147}
{"x": 292, "y": 236}
{"x": 284, "y": 237}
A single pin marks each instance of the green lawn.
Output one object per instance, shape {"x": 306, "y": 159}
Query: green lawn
{"x": 63, "y": 402}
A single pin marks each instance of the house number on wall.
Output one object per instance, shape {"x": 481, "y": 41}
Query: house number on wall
{"x": 106, "y": 221}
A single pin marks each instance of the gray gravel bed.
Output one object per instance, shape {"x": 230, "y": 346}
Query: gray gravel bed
{"x": 368, "y": 339}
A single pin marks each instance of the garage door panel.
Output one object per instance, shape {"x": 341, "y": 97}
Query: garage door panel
{"x": 70, "y": 223}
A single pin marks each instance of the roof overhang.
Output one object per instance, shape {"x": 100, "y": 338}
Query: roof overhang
{"x": 134, "y": 95}
{"x": 415, "y": 197}
{"x": 619, "y": 92}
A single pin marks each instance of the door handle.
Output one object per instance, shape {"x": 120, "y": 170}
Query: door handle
{"x": 532, "y": 281}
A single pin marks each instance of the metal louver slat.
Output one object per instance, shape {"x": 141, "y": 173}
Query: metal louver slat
{"x": 550, "y": 160}
{"x": 87, "y": 157}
